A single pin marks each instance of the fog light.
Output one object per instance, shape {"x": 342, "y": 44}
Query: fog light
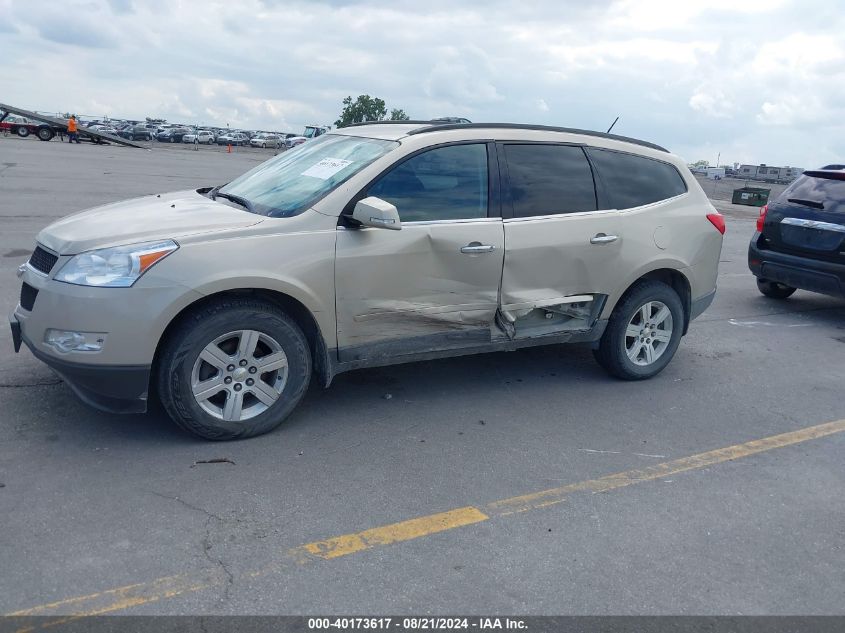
{"x": 69, "y": 341}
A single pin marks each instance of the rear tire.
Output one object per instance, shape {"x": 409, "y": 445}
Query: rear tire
{"x": 774, "y": 290}
{"x": 245, "y": 405}
{"x": 23, "y": 132}
{"x": 45, "y": 133}
{"x": 643, "y": 332}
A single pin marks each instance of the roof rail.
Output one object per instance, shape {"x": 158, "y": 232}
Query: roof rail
{"x": 519, "y": 126}
{"x": 391, "y": 122}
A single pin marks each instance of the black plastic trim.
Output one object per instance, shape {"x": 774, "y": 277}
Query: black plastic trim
{"x": 110, "y": 388}
{"x": 698, "y": 306}
{"x": 15, "y": 325}
{"x": 408, "y": 122}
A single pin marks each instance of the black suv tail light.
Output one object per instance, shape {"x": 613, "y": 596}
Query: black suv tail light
{"x": 761, "y": 219}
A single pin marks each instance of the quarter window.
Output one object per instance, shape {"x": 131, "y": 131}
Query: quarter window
{"x": 446, "y": 183}
{"x": 632, "y": 181}
{"x": 549, "y": 179}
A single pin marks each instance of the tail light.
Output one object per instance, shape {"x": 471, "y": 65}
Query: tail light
{"x": 717, "y": 220}
{"x": 762, "y": 218}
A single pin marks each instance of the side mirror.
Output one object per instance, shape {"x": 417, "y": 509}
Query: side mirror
{"x": 377, "y": 213}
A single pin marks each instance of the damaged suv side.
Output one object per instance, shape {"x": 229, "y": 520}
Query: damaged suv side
{"x": 372, "y": 245}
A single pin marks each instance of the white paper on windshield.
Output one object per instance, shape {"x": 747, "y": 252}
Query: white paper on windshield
{"x": 326, "y": 168}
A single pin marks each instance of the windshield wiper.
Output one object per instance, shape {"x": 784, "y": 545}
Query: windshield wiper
{"x": 806, "y": 203}
{"x": 236, "y": 199}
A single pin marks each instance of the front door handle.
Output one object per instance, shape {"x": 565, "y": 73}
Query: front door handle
{"x": 473, "y": 248}
{"x": 601, "y": 238}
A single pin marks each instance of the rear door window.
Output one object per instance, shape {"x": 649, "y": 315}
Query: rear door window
{"x": 632, "y": 181}
{"x": 549, "y": 179}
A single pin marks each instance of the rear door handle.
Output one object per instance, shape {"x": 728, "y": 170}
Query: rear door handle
{"x": 473, "y": 248}
{"x": 601, "y": 238}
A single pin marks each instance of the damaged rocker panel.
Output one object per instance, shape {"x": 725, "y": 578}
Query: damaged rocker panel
{"x": 465, "y": 342}
{"x": 575, "y": 313}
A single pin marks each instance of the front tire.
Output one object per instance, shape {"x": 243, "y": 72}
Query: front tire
{"x": 234, "y": 369}
{"x": 23, "y": 132}
{"x": 774, "y": 290}
{"x": 643, "y": 332}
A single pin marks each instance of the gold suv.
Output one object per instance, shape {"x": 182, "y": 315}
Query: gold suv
{"x": 371, "y": 245}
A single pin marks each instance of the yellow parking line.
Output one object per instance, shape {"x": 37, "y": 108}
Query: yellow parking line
{"x": 551, "y": 496}
{"x": 395, "y": 533}
{"x": 162, "y": 588}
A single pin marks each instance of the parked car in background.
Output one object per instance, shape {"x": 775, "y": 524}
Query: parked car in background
{"x": 452, "y": 119}
{"x": 173, "y": 135}
{"x": 311, "y": 131}
{"x": 205, "y": 137}
{"x": 140, "y": 133}
{"x": 799, "y": 240}
{"x": 464, "y": 239}
{"x": 233, "y": 138}
{"x": 18, "y": 125}
{"x": 266, "y": 140}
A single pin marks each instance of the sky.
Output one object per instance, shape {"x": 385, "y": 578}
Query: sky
{"x": 749, "y": 81}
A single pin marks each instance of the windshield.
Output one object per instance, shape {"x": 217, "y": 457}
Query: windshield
{"x": 292, "y": 181}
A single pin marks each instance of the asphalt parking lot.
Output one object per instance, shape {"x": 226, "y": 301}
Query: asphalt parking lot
{"x": 411, "y": 489}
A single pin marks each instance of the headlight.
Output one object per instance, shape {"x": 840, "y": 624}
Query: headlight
{"x": 117, "y": 267}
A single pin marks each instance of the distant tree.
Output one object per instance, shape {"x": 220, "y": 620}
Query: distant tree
{"x": 364, "y": 108}
{"x": 397, "y": 114}
{"x": 700, "y": 164}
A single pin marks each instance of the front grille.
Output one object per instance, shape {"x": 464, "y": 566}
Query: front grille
{"x": 28, "y": 294}
{"x": 43, "y": 261}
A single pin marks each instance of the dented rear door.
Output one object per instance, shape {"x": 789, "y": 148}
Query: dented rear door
{"x": 563, "y": 255}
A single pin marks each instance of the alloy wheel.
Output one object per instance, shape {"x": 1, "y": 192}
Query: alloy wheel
{"x": 239, "y": 375}
{"x": 648, "y": 333}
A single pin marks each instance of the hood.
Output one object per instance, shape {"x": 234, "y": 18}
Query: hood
{"x": 165, "y": 216}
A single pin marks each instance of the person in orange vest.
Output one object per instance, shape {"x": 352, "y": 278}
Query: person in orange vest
{"x": 72, "y": 133}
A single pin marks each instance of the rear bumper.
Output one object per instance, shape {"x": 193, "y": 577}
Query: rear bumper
{"x": 797, "y": 272}
{"x": 111, "y": 388}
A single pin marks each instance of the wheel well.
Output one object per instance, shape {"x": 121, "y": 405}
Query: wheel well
{"x": 678, "y": 282}
{"x": 293, "y": 308}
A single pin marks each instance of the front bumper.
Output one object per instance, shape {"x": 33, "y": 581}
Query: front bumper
{"x": 111, "y": 388}
{"x": 797, "y": 272}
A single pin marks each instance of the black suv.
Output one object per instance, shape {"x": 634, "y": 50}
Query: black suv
{"x": 800, "y": 237}
{"x": 172, "y": 135}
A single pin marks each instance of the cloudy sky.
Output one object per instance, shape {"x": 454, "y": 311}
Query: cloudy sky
{"x": 757, "y": 81}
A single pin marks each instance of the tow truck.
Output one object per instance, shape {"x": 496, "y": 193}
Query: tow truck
{"x": 46, "y": 127}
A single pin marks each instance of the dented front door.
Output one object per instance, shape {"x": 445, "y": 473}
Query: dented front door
{"x": 434, "y": 284}
{"x": 430, "y": 286}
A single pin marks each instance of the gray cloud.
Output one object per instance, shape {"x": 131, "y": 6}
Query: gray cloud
{"x": 76, "y": 33}
{"x": 758, "y": 81}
